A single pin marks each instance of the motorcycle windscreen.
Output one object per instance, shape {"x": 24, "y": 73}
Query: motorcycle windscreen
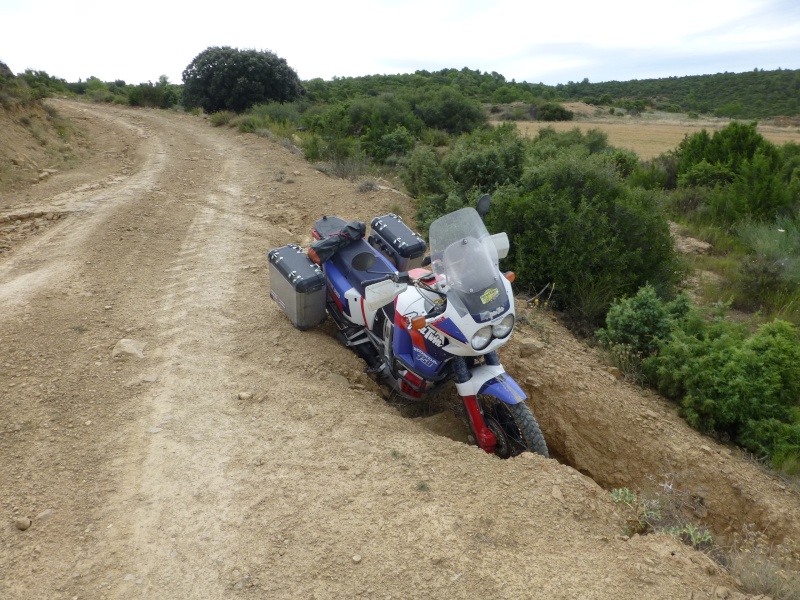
{"x": 453, "y": 228}
{"x": 471, "y": 271}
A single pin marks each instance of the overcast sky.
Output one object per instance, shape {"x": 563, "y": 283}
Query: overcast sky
{"x": 527, "y": 40}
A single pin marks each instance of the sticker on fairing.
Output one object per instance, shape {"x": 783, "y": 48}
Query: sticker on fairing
{"x": 433, "y": 336}
{"x": 424, "y": 358}
{"x": 489, "y": 295}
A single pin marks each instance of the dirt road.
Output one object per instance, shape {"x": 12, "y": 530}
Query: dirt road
{"x": 238, "y": 457}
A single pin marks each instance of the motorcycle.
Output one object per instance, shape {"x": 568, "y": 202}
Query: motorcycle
{"x": 418, "y": 321}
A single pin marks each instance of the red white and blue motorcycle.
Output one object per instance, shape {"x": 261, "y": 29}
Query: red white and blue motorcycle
{"x": 417, "y": 328}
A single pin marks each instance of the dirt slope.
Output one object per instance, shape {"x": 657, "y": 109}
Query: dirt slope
{"x": 239, "y": 457}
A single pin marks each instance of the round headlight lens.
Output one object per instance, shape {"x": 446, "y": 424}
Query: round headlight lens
{"x": 483, "y": 338}
{"x": 504, "y": 327}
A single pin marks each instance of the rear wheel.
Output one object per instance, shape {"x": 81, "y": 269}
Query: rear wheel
{"x": 514, "y": 427}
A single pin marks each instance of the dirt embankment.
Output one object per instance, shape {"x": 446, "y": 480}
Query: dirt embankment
{"x": 235, "y": 456}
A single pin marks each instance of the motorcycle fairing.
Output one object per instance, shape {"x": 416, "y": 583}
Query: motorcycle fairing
{"x": 422, "y": 354}
{"x": 447, "y": 327}
{"x": 493, "y": 381}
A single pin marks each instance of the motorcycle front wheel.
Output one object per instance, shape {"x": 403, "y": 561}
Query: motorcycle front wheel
{"x": 514, "y": 426}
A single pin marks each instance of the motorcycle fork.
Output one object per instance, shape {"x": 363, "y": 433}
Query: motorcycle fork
{"x": 483, "y": 434}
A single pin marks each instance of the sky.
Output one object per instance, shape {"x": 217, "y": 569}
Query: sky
{"x": 526, "y": 40}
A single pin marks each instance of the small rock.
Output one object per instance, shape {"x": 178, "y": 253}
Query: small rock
{"x": 706, "y": 449}
{"x": 245, "y": 396}
{"x": 23, "y": 523}
{"x": 108, "y": 307}
{"x": 45, "y": 515}
{"x": 357, "y": 558}
{"x": 154, "y": 430}
{"x": 339, "y": 379}
{"x": 614, "y": 372}
{"x": 557, "y": 493}
{"x": 126, "y": 348}
{"x": 149, "y": 378}
{"x": 528, "y": 347}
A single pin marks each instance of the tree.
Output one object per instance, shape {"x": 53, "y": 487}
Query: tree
{"x": 225, "y": 78}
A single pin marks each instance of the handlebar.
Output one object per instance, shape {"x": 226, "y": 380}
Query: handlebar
{"x": 395, "y": 277}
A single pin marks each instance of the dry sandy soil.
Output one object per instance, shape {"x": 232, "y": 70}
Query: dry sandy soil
{"x": 240, "y": 458}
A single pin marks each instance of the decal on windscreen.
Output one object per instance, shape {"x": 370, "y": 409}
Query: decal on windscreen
{"x": 489, "y": 295}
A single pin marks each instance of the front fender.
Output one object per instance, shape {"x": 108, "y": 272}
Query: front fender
{"x": 494, "y": 381}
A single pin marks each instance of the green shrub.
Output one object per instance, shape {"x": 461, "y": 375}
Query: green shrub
{"x": 276, "y": 112}
{"x": 642, "y": 322}
{"x": 449, "y": 110}
{"x": 769, "y": 276}
{"x": 625, "y": 161}
{"x": 772, "y": 438}
{"x": 572, "y": 222}
{"x": 422, "y": 172}
{"x": 223, "y": 117}
{"x": 551, "y": 111}
{"x": 395, "y": 143}
{"x": 486, "y": 159}
{"x": 705, "y": 174}
{"x": 725, "y": 379}
{"x": 651, "y": 175}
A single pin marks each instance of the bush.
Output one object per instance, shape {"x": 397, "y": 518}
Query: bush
{"x": 726, "y": 380}
{"x": 705, "y": 174}
{"x": 486, "y": 159}
{"x": 573, "y": 223}
{"x": 658, "y": 174}
{"x": 642, "y": 322}
{"x": 223, "y": 117}
{"x": 225, "y": 78}
{"x": 770, "y": 274}
{"x": 551, "y": 111}
{"x": 625, "y": 161}
{"x": 393, "y": 144}
{"x": 422, "y": 172}
{"x": 449, "y": 110}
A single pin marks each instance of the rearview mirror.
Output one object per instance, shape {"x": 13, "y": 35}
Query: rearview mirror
{"x": 483, "y": 205}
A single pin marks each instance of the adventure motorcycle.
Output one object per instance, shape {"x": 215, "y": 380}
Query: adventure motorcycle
{"x": 417, "y": 328}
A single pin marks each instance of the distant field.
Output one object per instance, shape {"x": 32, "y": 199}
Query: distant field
{"x": 649, "y": 138}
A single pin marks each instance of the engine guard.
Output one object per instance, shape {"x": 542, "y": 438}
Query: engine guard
{"x": 493, "y": 381}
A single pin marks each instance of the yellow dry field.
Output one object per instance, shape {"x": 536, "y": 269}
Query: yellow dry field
{"x": 649, "y": 138}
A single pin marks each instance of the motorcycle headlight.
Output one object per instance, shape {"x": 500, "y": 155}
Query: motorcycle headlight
{"x": 482, "y": 339}
{"x": 504, "y": 327}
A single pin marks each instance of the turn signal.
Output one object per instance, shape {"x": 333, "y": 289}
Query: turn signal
{"x": 510, "y": 276}
{"x": 418, "y": 323}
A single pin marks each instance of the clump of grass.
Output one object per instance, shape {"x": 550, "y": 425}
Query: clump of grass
{"x": 422, "y": 486}
{"x": 765, "y": 568}
{"x": 368, "y": 185}
{"x": 351, "y": 168}
{"x": 666, "y": 509}
{"x": 223, "y": 117}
